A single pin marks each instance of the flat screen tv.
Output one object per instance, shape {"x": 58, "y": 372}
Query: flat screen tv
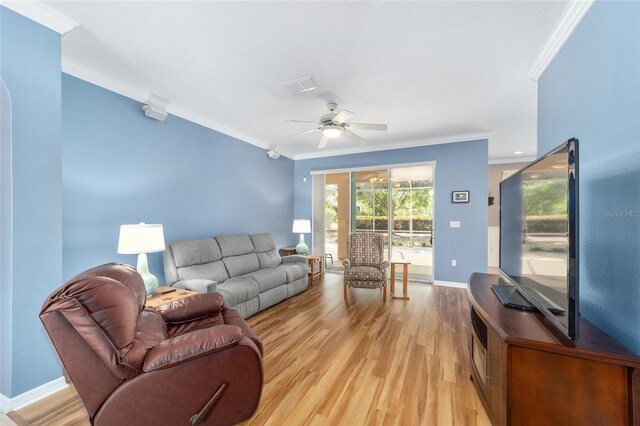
{"x": 539, "y": 236}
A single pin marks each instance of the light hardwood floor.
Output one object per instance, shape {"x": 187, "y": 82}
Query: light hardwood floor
{"x": 366, "y": 362}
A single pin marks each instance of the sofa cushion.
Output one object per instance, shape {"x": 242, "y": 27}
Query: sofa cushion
{"x": 268, "y": 278}
{"x": 265, "y": 249}
{"x": 262, "y": 242}
{"x": 269, "y": 259}
{"x": 214, "y": 271}
{"x": 195, "y": 252}
{"x": 294, "y": 271}
{"x": 234, "y": 245}
{"x": 364, "y": 273}
{"x": 238, "y": 290}
{"x": 240, "y": 265}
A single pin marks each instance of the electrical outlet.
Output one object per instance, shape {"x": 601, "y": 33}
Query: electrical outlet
{"x": 453, "y": 262}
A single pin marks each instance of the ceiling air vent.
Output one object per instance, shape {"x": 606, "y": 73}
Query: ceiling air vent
{"x": 300, "y": 85}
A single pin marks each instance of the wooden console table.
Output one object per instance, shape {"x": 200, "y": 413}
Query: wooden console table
{"x": 528, "y": 373}
{"x": 405, "y": 274}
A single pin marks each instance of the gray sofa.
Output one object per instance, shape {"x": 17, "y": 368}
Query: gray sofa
{"x": 245, "y": 269}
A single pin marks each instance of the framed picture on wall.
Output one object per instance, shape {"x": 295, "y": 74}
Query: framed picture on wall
{"x": 460, "y": 196}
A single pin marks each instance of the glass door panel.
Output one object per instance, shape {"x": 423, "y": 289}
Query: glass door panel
{"x": 371, "y": 203}
{"x": 337, "y": 220}
{"x": 412, "y": 216}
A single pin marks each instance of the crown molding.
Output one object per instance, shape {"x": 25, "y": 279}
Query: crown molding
{"x": 465, "y": 137}
{"x": 573, "y": 14}
{"x": 115, "y": 85}
{"x": 42, "y": 14}
{"x": 519, "y": 159}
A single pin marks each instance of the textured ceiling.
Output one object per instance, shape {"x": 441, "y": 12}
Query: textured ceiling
{"x": 430, "y": 70}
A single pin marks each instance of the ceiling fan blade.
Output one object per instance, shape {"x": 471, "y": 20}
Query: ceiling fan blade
{"x": 323, "y": 142}
{"x": 353, "y": 137}
{"x": 343, "y": 116}
{"x": 302, "y": 133}
{"x": 301, "y": 121}
{"x": 368, "y": 126}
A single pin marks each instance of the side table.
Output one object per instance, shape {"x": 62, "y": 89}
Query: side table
{"x": 158, "y": 298}
{"x": 405, "y": 272}
{"x": 288, "y": 251}
{"x": 316, "y": 267}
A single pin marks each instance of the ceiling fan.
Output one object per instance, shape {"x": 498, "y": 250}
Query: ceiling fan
{"x": 333, "y": 125}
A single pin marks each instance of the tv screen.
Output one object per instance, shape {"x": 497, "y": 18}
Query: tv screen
{"x": 539, "y": 235}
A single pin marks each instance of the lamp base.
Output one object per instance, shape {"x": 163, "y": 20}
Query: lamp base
{"x": 150, "y": 280}
{"x": 302, "y": 248}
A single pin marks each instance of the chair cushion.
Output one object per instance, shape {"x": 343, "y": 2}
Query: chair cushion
{"x": 268, "y": 278}
{"x": 364, "y": 273}
{"x": 213, "y": 271}
{"x": 195, "y": 252}
{"x": 366, "y": 248}
{"x": 294, "y": 271}
{"x": 238, "y": 290}
{"x": 234, "y": 245}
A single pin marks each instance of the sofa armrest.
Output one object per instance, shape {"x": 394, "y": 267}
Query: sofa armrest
{"x": 295, "y": 258}
{"x": 199, "y": 285}
{"x": 191, "y": 308}
{"x": 192, "y": 345}
{"x": 346, "y": 263}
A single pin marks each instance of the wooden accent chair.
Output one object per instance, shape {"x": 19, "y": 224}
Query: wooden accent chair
{"x": 365, "y": 266}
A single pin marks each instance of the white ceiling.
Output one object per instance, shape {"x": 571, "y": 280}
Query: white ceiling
{"x": 433, "y": 71}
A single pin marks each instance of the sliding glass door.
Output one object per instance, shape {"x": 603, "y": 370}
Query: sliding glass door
{"x": 371, "y": 213}
{"x": 337, "y": 218}
{"x": 412, "y": 219}
{"x": 395, "y": 202}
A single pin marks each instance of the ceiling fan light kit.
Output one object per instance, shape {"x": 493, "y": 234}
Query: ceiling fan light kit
{"x": 332, "y": 131}
{"x": 333, "y": 125}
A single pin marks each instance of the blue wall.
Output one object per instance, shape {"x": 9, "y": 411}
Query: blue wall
{"x": 591, "y": 91}
{"x": 30, "y": 61}
{"x": 459, "y": 166}
{"x": 121, "y": 167}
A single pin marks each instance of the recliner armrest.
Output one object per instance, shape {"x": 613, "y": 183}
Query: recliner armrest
{"x": 191, "y": 308}
{"x": 199, "y": 285}
{"x": 192, "y": 345}
{"x": 384, "y": 264}
{"x": 346, "y": 263}
{"x": 295, "y": 258}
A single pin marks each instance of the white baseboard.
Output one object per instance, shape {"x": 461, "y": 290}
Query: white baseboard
{"x": 450, "y": 284}
{"x": 5, "y": 402}
{"x": 29, "y": 397}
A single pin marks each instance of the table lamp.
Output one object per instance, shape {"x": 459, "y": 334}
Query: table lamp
{"x": 301, "y": 226}
{"x": 141, "y": 239}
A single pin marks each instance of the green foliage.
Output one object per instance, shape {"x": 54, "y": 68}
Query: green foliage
{"x": 545, "y": 197}
{"x": 550, "y": 224}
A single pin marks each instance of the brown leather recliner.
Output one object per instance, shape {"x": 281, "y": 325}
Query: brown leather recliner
{"x": 133, "y": 365}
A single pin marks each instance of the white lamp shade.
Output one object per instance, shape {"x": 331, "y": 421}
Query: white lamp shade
{"x": 301, "y": 226}
{"x": 141, "y": 238}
